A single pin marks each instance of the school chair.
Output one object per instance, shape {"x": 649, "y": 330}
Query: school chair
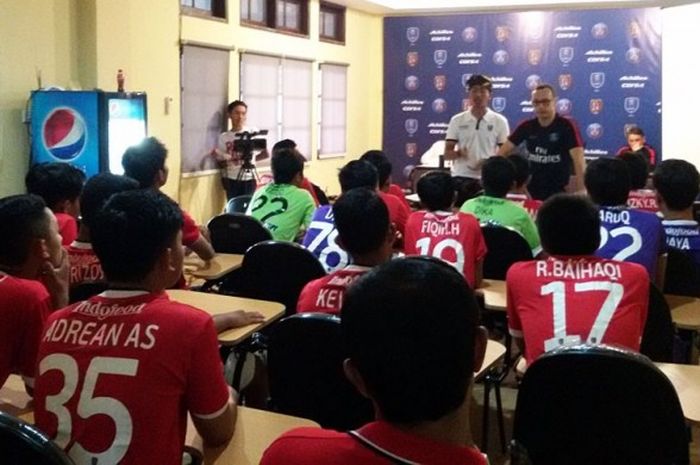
{"x": 682, "y": 274}
{"x": 22, "y": 443}
{"x": 236, "y": 232}
{"x": 238, "y": 204}
{"x": 599, "y": 405}
{"x": 659, "y": 331}
{"x": 305, "y": 371}
{"x": 505, "y": 247}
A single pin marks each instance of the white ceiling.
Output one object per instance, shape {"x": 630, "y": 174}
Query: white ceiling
{"x": 404, "y": 7}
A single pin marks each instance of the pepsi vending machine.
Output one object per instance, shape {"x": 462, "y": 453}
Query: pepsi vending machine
{"x": 88, "y": 129}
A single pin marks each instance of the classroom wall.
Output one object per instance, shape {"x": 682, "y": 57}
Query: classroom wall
{"x": 681, "y": 68}
{"x": 363, "y": 52}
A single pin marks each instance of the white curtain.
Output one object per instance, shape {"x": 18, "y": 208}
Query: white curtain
{"x": 333, "y": 114}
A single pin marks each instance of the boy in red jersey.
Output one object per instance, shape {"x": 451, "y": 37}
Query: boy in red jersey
{"x": 437, "y": 231}
{"x": 640, "y": 197}
{"x": 84, "y": 264}
{"x": 118, "y": 373}
{"x": 574, "y": 297}
{"x": 145, "y": 162}
{"x": 364, "y": 231}
{"x": 410, "y": 328}
{"x": 383, "y": 165}
{"x": 60, "y": 185}
{"x": 33, "y": 281}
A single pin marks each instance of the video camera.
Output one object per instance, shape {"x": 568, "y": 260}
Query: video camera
{"x": 246, "y": 142}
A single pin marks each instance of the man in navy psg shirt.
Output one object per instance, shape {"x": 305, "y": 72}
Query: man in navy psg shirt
{"x": 554, "y": 146}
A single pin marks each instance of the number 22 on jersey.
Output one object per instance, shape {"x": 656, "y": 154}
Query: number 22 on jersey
{"x": 557, "y": 289}
{"x": 89, "y": 405}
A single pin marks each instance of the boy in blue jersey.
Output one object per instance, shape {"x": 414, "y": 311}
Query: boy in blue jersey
{"x": 677, "y": 185}
{"x": 626, "y": 234}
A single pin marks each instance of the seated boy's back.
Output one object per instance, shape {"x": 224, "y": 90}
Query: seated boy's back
{"x": 364, "y": 231}
{"x": 454, "y": 237}
{"x": 282, "y": 207}
{"x": 626, "y": 234}
{"x": 573, "y": 297}
{"x": 320, "y": 240}
{"x": 498, "y": 176}
{"x": 118, "y": 373}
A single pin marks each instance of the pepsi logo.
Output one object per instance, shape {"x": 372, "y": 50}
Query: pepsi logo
{"x": 64, "y": 133}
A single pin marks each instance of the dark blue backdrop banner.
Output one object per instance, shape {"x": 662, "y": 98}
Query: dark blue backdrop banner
{"x": 604, "y": 64}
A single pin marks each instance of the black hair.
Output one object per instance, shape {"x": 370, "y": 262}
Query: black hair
{"x": 143, "y": 161}
{"x": 286, "y": 163}
{"x": 522, "y": 168}
{"x": 98, "y": 190}
{"x": 358, "y": 173}
{"x": 436, "y": 190}
{"x": 497, "y": 176}
{"x": 132, "y": 230}
{"x": 417, "y": 364}
{"x": 608, "y": 181}
{"x": 284, "y": 144}
{"x": 638, "y": 167}
{"x": 234, "y": 104}
{"x": 569, "y": 225}
{"x": 23, "y": 218}
{"x": 677, "y": 182}
{"x": 362, "y": 220}
{"x": 546, "y": 87}
{"x": 381, "y": 162}
{"x": 55, "y": 182}
{"x": 479, "y": 80}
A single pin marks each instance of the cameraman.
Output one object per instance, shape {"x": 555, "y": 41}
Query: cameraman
{"x": 235, "y": 181}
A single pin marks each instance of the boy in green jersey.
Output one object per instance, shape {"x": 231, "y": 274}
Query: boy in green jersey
{"x": 498, "y": 177}
{"x": 282, "y": 207}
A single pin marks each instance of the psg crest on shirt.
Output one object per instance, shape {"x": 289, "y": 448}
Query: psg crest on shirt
{"x": 411, "y": 126}
{"x": 412, "y": 34}
{"x": 499, "y": 104}
{"x": 502, "y": 33}
{"x": 469, "y": 34}
{"x": 500, "y": 57}
{"x": 565, "y": 81}
{"x": 440, "y": 57}
{"x": 594, "y": 131}
{"x": 439, "y": 105}
{"x": 411, "y": 149}
{"x": 534, "y": 56}
{"x": 439, "y": 81}
{"x": 465, "y": 78}
{"x": 599, "y": 30}
{"x": 597, "y": 80}
{"x": 412, "y": 59}
{"x": 631, "y": 105}
{"x": 595, "y": 105}
{"x": 566, "y": 54}
{"x": 564, "y": 106}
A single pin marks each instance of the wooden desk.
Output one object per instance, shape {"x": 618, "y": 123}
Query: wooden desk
{"x": 15, "y": 400}
{"x": 255, "y": 431}
{"x": 217, "y": 268}
{"x": 494, "y": 292}
{"x": 216, "y": 304}
{"x": 686, "y": 381}
{"x": 494, "y": 354}
{"x": 685, "y": 311}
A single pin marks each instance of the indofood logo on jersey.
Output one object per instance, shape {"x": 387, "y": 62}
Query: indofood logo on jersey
{"x": 64, "y": 133}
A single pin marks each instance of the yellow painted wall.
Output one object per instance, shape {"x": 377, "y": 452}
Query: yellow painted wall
{"x": 35, "y": 35}
{"x": 202, "y": 195}
{"x": 82, "y": 43}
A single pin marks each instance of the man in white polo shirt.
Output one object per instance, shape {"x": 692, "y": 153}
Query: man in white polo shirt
{"x": 472, "y": 137}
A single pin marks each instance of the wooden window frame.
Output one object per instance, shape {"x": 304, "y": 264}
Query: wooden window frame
{"x": 217, "y": 13}
{"x": 339, "y": 12}
{"x": 270, "y": 21}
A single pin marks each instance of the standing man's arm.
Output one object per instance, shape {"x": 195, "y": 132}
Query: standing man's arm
{"x": 579, "y": 162}
{"x": 452, "y": 150}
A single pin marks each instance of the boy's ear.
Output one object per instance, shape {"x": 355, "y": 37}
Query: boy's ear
{"x": 354, "y": 376}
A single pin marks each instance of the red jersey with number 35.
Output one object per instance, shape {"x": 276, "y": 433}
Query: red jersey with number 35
{"x": 576, "y": 300}
{"x": 118, "y": 373}
{"x": 454, "y": 237}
